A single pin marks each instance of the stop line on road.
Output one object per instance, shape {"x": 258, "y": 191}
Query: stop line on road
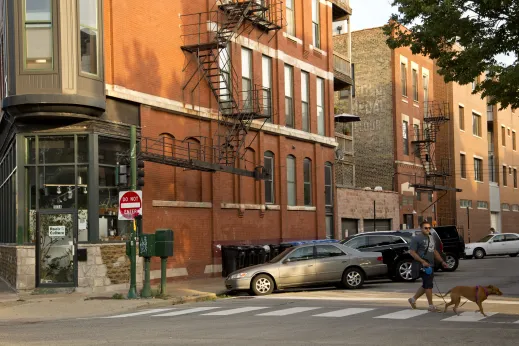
{"x": 262, "y": 311}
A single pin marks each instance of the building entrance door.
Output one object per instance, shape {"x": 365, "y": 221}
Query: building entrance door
{"x": 56, "y": 249}
{"x": 349, "y": 227}
{"x": 494, "y": 221}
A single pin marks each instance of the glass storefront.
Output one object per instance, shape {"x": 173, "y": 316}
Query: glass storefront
{"x": 8, "y": 195}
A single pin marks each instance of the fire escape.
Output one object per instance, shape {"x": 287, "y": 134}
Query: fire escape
{"x": 206, "y": 38}
{"x": 436, "y": 169}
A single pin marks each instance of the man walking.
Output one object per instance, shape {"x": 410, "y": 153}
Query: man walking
{"x": 423, "y": 251}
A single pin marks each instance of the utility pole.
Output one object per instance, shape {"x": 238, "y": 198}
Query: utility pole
{"x": 468, "y": 222}
{"x": 132, "y": 293}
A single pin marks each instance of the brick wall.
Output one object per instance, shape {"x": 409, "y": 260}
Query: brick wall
{"x": 479, "y": 223}
{"x": 358, "y": 204}
{"x": 8, "y": 264}
{"x": 373, "y": 102}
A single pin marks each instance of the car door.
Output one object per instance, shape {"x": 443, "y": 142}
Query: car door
{"x": 330, "y": 263}
{"x": 496, "y": 245}
{"x": 512, "y": 243}
{"x": 298, "y": 268}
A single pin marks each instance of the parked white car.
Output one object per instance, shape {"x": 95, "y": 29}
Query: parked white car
{"x": 494, "y": 245}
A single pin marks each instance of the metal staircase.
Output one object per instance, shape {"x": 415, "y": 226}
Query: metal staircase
{"x": 207, "y": 37}
{"x": 436, "y": 169}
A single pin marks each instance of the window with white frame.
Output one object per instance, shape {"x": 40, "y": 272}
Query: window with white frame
{"x": 89, "y": 36}
{"x": 38, "y": 35}
{"x": 320, "y": 107}
{"x": 463, "y": 166}
{"x": 291, "y": 21}
{"x": 482, "y": 205}
{"x": 415, "y": 84}
{"x": 316, "y": 31}
{"x": 478, "y": 169}
{"x": 328, "y": 184}
{"x": 246, "y": 78}
{"x": 505, "y": 207}
{"x": 403, "y": 78}
{"x": 515, "y": 207}
{"x": 289, "y": 96}
{"x": 269, "y": 181}
{"x": 307, "y": 177}
{"x": 266, "y": 81}
{"x": 425, "y": 82}
{"x": 305, "y": 100}
{"x": 291, "y": 180}
{"x": 461, "y": 113}
{"x": 465, "y": 203}
{"x": 476, "y": 124}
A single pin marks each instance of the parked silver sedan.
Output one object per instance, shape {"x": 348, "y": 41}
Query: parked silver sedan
{"x": 308, "y": 265}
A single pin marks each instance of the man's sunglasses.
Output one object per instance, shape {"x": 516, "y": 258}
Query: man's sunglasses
{"x": 427, "y": 228}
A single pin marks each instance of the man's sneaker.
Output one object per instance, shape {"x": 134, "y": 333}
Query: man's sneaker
{"x": 433, "y": 308}
{"x": 412, "y": 302}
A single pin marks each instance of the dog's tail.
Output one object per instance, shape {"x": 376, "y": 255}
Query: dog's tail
{"x": 444, "y": 295}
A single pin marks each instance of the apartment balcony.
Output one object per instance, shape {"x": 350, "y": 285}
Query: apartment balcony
{"x": 341, "y": 9}
{"x": 342, "y": 72}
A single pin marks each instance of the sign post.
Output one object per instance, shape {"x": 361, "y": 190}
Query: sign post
{"x": 130, "y": 210}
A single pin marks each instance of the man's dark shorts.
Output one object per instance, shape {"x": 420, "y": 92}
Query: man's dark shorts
{"x": 427, "y": 280}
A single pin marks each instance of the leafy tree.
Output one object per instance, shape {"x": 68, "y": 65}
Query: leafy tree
{"x": 464, "y": 38}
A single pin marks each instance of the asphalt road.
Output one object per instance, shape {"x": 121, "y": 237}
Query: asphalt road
{"x": 255, "y": 322}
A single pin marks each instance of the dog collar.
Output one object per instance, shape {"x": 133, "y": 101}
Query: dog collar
{"x": 484, "y": 290}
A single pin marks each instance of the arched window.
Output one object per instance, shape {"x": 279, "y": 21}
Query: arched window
{"x": 291, "y": 180}
{"x": 192, "y": 149}
{"x": 168, "y": 143}
{"x": 270, "y": 196}
{"x": 307, "y": 173}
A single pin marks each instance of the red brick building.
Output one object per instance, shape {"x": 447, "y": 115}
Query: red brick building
{"x": 105, "y": 65}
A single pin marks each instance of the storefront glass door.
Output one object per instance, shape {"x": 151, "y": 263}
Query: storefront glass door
{"x": 56, "y": 249}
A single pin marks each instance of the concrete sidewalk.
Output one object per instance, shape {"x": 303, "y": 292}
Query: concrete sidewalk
{"x": 37, "y": 307}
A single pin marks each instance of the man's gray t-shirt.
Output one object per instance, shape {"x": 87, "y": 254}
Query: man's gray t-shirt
{"x": 424, "y": 247}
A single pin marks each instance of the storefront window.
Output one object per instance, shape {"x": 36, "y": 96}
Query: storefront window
{"x": 110, "y": 228}
{"x": 56, "y": 149}
{"x": 31, "y": 203}
{"x": 57, "y": 187}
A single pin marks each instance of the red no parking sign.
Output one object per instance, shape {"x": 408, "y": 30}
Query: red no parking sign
{"x": 130, "y": 204}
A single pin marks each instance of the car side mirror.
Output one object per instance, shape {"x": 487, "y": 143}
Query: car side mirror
{"x": 287, "y": 261}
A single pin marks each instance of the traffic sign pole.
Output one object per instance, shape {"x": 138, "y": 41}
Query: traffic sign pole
{"x": 132, "y": 293}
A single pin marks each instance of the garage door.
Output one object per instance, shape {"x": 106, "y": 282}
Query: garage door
{"x": 381, "y": 225}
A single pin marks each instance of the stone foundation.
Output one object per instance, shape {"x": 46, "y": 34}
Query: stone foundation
{"x": 106, "y": 269}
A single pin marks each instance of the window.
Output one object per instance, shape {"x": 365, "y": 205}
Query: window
{"x": 514, "y": 144}
{"x": 302, "y": 254}
{"x": 405, "y": 136}
{"x": 425, "y": 81}
{"x": 328, "y": 192}
{"x": 379, "y": 240}
{"x": 291, "y": 180}
{"x": 416, "y": 130}
{"x": 476, "y": 124}
{"x": 463, "y": 166}
{"x": 505, "y": 207}
{"x": 224, "y": 62}
{"x": 462, "y": 118}
{"x": 291, "y": 25}
{"x": 498, "y": 238}
{"x": 344, "y": 94}
{"x": 330, "y": 234}
{"x": 465, "y": 203}
{"x": 511, "y": 237}
{"x": 403, "y": 76}
{"x": 246, "y": 78}
{"x": 415, "y": 85}
{"x": 289, "y": 95}
{"x": 503, "y": 136}
{"x": 269, "y": 182}
{"x": 358, "y": 242}
{"x": 325, "y": 251}
{"x": 316, "y": 32}
{"x": 515, "y": 178}
{"x": 491, "y": 169}
{"x": 482, "y": 205}
{"x": 320, "y": 107}
{"x": 430, "y": 196}
{"x": 515, "y": 207}
{"x": 89, "y": 33}
{"x": 266, "y": 81}
{"x": 478, "y": 169}
{"x": 307, "y": 172}
{"x": 418, "y": 195}
{"x": 39, "y": 47}
{"x": 505, "y": 175}
{"x": 305, "y": 99}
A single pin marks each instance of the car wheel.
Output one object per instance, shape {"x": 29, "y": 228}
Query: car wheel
{"x": 479, "y": 253}
{"x": 404, "y": 272}
{"x": 452, "y": 261}
{"x": 262, "y": 285}
{"x": 514, "y": 255}
{"x": 353, "y": 278}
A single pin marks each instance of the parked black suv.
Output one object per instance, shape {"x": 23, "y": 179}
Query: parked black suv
{"x": 453, "y": 246}
{"x": 394, "y": 246}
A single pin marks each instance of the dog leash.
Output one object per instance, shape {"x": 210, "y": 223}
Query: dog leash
{"x": 442, "y": 296}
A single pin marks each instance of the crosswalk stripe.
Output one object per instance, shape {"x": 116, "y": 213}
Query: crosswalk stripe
{"x": 185, "y": 312}
{"x": 468, "y": 316}
{"x": 234, "y": 311}
{"x": 344, "y": 312}
{"x": 145, "y": 312}
{"x": 403, "y": 314}
{"x": 286, "y": 312}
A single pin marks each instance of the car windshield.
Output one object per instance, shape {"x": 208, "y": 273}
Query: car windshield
{"x": 281, "y": 255}
{"x": 485, "y": 238}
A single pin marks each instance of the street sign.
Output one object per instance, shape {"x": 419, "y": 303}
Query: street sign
{"x": 130, "y": 204}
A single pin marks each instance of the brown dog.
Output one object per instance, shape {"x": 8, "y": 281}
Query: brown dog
{"x": 475, "y": 294}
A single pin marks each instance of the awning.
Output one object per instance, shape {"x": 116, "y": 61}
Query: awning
{"x": 346, "y": 118}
